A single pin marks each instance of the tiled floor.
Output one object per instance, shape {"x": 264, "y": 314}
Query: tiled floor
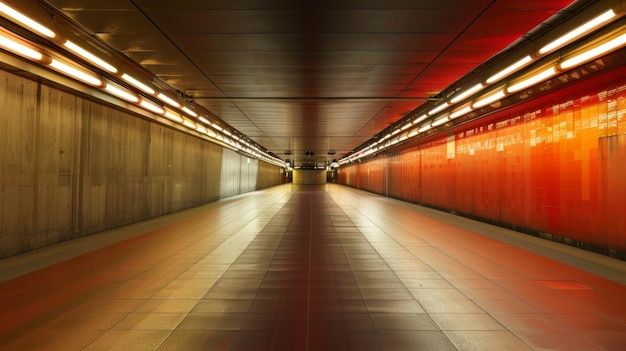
{"x": 314, "y": 268}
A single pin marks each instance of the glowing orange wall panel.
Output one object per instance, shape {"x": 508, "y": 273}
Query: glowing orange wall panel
{"x": 554, "y": 165}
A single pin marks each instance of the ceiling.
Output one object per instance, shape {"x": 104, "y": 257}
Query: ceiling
{"x": 324, "y": 76}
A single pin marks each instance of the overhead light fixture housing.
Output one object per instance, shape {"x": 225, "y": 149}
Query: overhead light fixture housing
{"x": 489, "y": 98}
{"x": 578, "y": 32}
{"x": 138, "y": 84}
{"x": 120, "y": 92}
{"x": 78, "y": 50}
{"x": 594, "y": 52}
{"x": 25, "y": 21}
{"x": 466, "y": 93}
{"x": 532, "y": 80}
{"x": 76, "y": 72}
{"x": 512, "y": 68}
{"x": 16, "y": 45}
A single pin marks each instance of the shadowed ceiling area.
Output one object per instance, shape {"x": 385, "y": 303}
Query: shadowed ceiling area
{"x": 320, "y": 76}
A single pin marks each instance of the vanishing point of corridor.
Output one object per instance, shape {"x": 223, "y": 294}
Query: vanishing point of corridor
{"x": 312, "y": 268}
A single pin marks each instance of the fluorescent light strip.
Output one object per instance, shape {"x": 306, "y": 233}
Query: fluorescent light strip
{"x": 406, "y": 126}
{"x": 467, "y": 93}
{"x": 137, "y": 84}
{"x": 424, "y": 128}
{"x": 578, "y": 32}
{"x": 438, "y": 108}
{"x": 26, "y": 21}
{"x": 151, "y": 106}
{"x": 204, "y": 120}
{"x": 189, "y": 123}
{"x": 190, "y": 111}
{"x": 420, "y": 118}
{"x": 489, "y": 99}
{"x": 594, "y": 52}
{"x": 201, "y": 129}
{"x": 168, "y": 100}
{"x": 89, "y": 56}
{"x": 121, "y": 92}
{"x": 532, "y": 80}
{"x": 510, "y": 69}
{"x": 461, "y": 111}
{"x": 14, "y": 45}
{"x": 82, "y": 75}
{"x": 216, "y": 126}
{"x": 440, "y": 121}
{"x": 413, "y": 133}
{"x": 173, "y": 116}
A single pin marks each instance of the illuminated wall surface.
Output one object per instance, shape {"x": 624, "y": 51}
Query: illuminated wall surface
{"x": 71, "y": 167}
{"x": 554, "y": 166}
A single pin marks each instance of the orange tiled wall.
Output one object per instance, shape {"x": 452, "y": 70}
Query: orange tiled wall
{"x": 555, "y": 165}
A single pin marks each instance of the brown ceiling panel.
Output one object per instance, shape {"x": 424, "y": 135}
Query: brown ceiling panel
{"x": 114, "y": 21}
{"x": 300, "y": 75}
{"x": 140, "y": 43}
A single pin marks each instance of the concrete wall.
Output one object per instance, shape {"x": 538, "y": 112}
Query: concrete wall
{"x": 71, "y": 167}
{"x": 554, "y": 167}
{"x": 309, "y": 176}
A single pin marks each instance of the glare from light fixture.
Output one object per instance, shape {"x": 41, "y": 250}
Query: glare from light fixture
{"x": 89, "y": 56}
{"x": 466, "y": 93}
{"x": 489, "y": 99}
{"x": 168, "y": 100}
{"x": 121, "y": 92}
{"x": 201, "y": 129}
{"x": 5, "y": 10}
{"x": 10, "y": 43}
{"x": 510, "y": 69}
{"x": 151, "y": 106}
{"x": 532, "y": 80}
{"x": 413, "y": 133}
{"x": 578, "y": 32}
{"x": 595, "y": 52}
{"x": 82, "y": 75}
{"x": 137, "y": 84}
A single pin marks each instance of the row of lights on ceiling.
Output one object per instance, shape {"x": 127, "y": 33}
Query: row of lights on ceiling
{"x": 175, "y": 110}
{"x": 434, "y": 118}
